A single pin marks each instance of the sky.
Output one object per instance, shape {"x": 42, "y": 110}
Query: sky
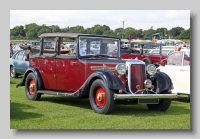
{"x": 138, "y": 19}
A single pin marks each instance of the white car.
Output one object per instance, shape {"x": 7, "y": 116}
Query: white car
{"x": 177, "y": 66}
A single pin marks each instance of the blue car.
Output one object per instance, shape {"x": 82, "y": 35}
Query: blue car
{"x": 18, "y": 64}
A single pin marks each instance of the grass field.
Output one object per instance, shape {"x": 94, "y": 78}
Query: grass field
{"x": 54, "y": 112}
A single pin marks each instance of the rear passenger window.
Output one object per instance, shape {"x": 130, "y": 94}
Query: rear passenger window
{"x": 49, "y": 46}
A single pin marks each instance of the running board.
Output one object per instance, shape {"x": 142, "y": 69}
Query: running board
{"x": 56, "y": 93}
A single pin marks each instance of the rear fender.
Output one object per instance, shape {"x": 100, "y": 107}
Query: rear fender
{"x": 37, "y": 75}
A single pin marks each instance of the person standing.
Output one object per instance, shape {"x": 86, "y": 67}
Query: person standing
{"x": 11, "y": 49}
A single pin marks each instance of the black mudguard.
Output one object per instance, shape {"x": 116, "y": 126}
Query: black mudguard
{"x": 162, "y": 82}
{"x": 37, "y": 75}
{"x": 109, "y": 78}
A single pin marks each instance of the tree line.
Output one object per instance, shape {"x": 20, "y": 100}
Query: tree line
{"x": 32, "y": 31}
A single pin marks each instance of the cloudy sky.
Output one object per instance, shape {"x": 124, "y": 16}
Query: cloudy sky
{"x": 138, "y": 19}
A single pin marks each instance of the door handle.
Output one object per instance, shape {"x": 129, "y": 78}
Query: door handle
{"x": 74, "y": 63}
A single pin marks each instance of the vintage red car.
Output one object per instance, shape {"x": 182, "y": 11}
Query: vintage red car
{"x": 102, "y": 76}
{"x": 132, "y": 52}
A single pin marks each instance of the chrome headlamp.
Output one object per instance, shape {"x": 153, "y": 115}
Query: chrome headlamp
{"x": 151, "y": 69}
{"x": 120, "y": 68}
{"x": 147, "y": 83}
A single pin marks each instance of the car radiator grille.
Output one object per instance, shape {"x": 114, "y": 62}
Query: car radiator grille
{"x": 137, "y": 76}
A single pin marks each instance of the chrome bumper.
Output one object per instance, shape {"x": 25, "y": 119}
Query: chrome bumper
{"x": 146, "y": 96}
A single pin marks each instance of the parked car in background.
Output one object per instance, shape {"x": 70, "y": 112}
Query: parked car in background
{"x": 18, "y": 64}
{"x": 132, "y": 52}
{"x": 169, "y": 51}
{"x": 164, "y": 51}
{"x": 177, "y": 66}
{"x": 16, "y": 48}
{"x": 102, "y": 76}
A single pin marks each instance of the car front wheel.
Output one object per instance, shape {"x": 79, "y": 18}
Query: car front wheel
{"x": 101, "y": 97}
{"x": 31, "y": 87}
{"x": 163, "y": 104}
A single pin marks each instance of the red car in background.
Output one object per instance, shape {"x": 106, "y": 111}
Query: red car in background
{"x": 148, "y": 58}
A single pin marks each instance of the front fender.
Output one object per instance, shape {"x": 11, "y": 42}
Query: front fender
{"x": 110, "y": 79}
{"x": 163, "y": 82}
{"x": 37, "y": 75}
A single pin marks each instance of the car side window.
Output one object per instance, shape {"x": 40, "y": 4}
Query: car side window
{"x": 49, "y": 51}
{"x": 175, "y": 59}
{"x": 67, "y": 47}
{"x": 19, "y": 55}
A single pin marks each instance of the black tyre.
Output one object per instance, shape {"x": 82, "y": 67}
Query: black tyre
{"x": 147, "y": 61}
{"x": 13, "y": 72}
{"x": 31, "y": 87}
{"x": 163, "y": 105}
{"x": 101, "y": 97}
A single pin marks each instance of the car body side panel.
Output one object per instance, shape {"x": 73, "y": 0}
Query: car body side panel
{"x": 70, "y": 74}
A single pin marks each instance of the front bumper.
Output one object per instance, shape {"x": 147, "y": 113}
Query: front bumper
{"x": 143, "y": 96}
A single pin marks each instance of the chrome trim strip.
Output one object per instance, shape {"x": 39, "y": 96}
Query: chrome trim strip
{"x": 102, "y": 68}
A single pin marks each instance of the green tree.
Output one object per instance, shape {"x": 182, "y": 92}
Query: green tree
{"x": 148, "y": 34}
{"x": 164, "y": 32}
{"x": 77, "y": 29}
{"x": 185, "y": 34}
{"x": 175, "y": 32}
{"x": 55, "y": 28}
{"x": 18, "y": 31}
{"x": 130, "y": 31}
{"x": 119, "y": 31}
{"x": 43, "y": 30}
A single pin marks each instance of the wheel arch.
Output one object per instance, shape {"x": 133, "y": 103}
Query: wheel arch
{"x": 110, "y": 80}
{"x": 37, "y": 75}
{"x": 163, "y": 82}
{"x": 148, "y": 59}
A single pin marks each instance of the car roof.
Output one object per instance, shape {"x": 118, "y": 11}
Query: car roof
{"x": 72, "y": 35}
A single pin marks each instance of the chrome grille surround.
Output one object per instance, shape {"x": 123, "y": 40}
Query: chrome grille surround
{"x": 130, "y": 62}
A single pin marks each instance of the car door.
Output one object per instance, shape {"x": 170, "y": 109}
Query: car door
{"x": 184, "y": 86}
{"x": 173, "y": 69}
{"x": 19, "y": 63}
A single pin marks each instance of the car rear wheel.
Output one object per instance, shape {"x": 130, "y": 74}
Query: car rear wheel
{"x": 147, "y": 61}
{"x": 163, "y": 104}
{"x": 31, "y": 87}
{"x": 13, "y": 72}
{"x": 101, "y": 97}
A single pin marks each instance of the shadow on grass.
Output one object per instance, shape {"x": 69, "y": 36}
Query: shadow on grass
{"x": 12, "y": 82}
{"x": 76, "y": 102}
{"x": 122, "y": 109}
{"x": 17, "y": 112}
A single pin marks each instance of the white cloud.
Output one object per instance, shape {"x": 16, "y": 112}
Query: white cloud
{"x": 138, "y": 19}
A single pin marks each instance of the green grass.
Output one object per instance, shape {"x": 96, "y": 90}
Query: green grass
{"x": 54, "y": 112}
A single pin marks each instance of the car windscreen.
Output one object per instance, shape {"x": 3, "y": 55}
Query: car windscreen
{"x": 90, "y": 46}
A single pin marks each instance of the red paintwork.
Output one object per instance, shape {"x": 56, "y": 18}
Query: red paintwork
{"x": 154, "y": 57}
{"x": 137, "y": 76}
{"x": 66, "y": 74}
{"x": 101, "y": 92}
{"x": 89, "y": 71}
